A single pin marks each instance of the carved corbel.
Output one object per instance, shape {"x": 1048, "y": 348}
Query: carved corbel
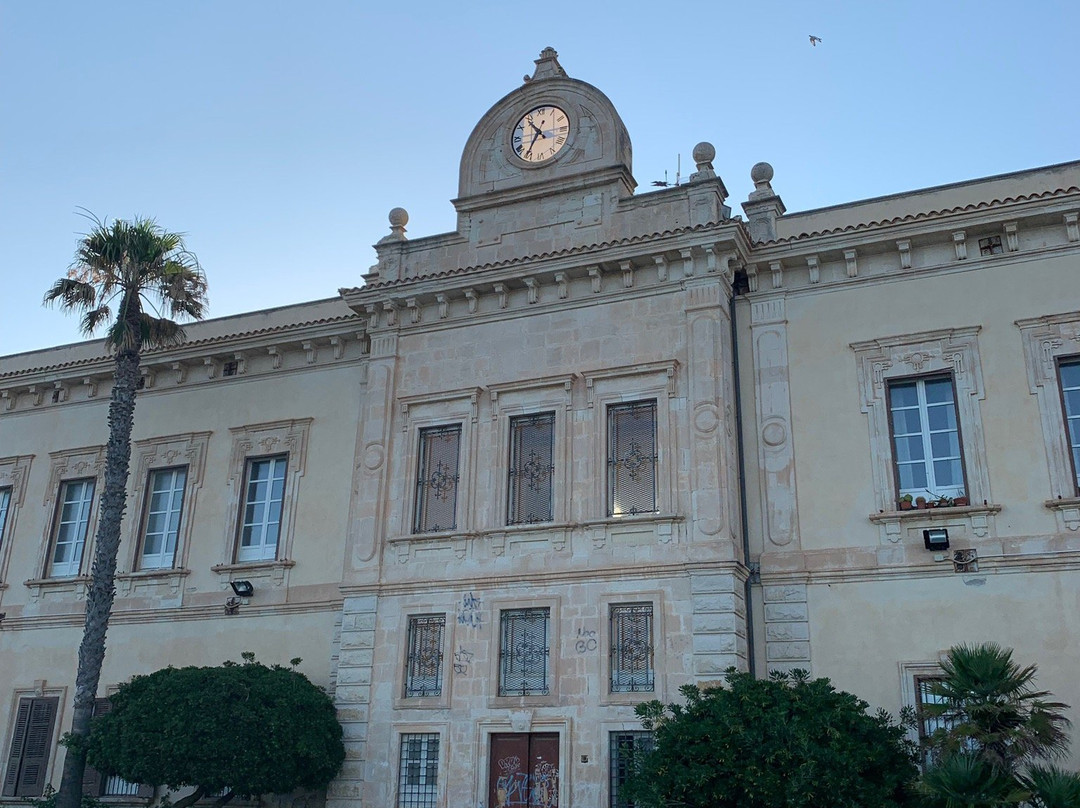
{"x": 751, "y": 277}
{"x": 1012, "y": 242}
{"x": 597, "y": 278}
{"x": 960, "y": 243}
{"x": 661, "y": 267}
{"x": 534, "y": 289}
{"x": 311, "y": 350}
{"x": 687, "y": 256}
{"x": 1072, "y": 229}
{"x": 627, "y": 268}
{"x": 777, "y": 270}
{"x": 36, "y": 394}
{"x": 149, "y": 377}
{"x": 240, "y": 358}
{"x": 60, "y": 392}
{"x": 391, "y": 309}
{"x": 415, "y": 310}
{"x": 444, "y": 305}
{"x": 179, "y": 370}
{"x": 904, "y": 247}
{"x": 275, "y": 356}
{"x": 851, "y": 259}
{"x": 8, "y": 399}
{"x": 813, "y": 268}
{"x": 211, "y": 366}
{"x": 563, "y": 284}
{"x": 338, "y": 346}
{"x": 90, "y": 383}
{"x": 501, "y": 294}
{"x": 470, "y": 295}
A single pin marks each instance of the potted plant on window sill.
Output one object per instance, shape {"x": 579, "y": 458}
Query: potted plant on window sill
{"x": 906, "y": 502}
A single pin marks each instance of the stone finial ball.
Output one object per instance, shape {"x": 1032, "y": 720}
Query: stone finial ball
{"x": 399, "y": 217}
{"x": 704, "y": 152}
{"x": 761, "y": 172}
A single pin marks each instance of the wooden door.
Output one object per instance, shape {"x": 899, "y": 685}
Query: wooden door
{"x": 524, "y": 770}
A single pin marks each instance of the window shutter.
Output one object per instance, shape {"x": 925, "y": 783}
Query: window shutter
{"x": 30, "y": 745}
{"x": 11, "y": 773}
{"x": 93, "y": 782}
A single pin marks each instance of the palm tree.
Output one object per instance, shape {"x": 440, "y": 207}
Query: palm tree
{"x": 993, "y": 710}
{"x": 1053, "y": 788}
{"x": 150, "y": 277}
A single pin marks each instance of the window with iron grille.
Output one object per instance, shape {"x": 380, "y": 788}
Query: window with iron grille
{"x": 532, "y": 447}
{"x": 5, "y": 502}
{"x": 437, "y": 479}
{"x": 632, "y": 648}
{"x": 264, "y": 495}
{"x": 1070, "y": 394}
{"x": 632, "y": 458}
{"x": 624, "y": 747}
{"x": 991, "y": 246}
{"x": 423, "y": 667}
{"x": 926, "y": 437}
{"x": 418, "y": 772}
{"x": 928, "y": 724}
{"x": 161, "y": 522}
{"x": 523, "y": 652}
{"x": 72, "y": 524}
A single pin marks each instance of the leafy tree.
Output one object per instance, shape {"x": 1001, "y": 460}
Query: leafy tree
{"x": 992, "y": 709}
{"x": 787, "y": 741}
{"x": 132, "y": 266}
{"x": 245, "y": 729}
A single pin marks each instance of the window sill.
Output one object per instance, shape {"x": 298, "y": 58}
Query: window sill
{"x": 171, "y": 577}
{"x": 974, "y": 520}
{"x": 640, "y": 529}
{"x": 76, "y": 585}
{"x": 272, "y": 569}
{"x": 1067, "y": 510}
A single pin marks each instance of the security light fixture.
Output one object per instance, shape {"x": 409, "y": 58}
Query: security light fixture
{"x": 936, "y": 538}
{"x": 244, "y": 589}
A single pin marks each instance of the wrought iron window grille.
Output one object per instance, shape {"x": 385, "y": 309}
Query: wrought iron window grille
{"x": 532, "y": 469}
{"x": 418, "y": 771}
{"x": 625, "y": 748}
{"x": 632, "y": 458}
{"x": 523, "y": 652}
{"x": 990, "y": 246}
{"x": 437, "y": 479}
{"x": 423, "y": 667}
{"x": 632, "y": 648}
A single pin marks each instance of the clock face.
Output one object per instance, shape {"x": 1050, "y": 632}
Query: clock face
{"x": 540, "y": 134}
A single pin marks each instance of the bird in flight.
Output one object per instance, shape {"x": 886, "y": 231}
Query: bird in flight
{"x": 814, "y": 40}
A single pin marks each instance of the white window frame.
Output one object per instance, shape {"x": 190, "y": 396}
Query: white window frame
{"x": 13, "y": 474}
{"x": 269, "y": 511}
{"x": 933, "y": 488}
{"x": 1071, "y": 419}
{"x": 5, "y": 506}
{"x": 71, "y": 566}
{"x": 953, "y": 351}
{"x": 172, "y": 515}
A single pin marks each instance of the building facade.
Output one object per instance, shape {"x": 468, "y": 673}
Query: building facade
{"x": 589, "y": 447}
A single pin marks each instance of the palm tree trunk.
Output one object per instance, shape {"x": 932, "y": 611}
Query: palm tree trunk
{"x": 99, "y": 600}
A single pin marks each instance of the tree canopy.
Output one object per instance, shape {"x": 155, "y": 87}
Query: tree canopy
{"x": 785, "y": 741}
{"x": 245, "y": 729}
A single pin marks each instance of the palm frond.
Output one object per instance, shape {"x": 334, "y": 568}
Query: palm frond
{"x": 1051, "y": 787}
{"x": 158, "y": 332}
{"x": 71, "y": 294}
{"x": 94, "y": 318}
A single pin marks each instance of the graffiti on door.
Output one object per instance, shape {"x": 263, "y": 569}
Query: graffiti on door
{"x": 525, "y": 770}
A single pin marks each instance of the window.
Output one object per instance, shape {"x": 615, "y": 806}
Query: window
{"x": 928, "y": 724}
{"x": 523, "y": 652}
{"x": 631, "y": 647}
{"x": 31, "y": 742}
{"x": 161, "y": 523}
{"x": 926, "y": 437}
{"x": 5, "y": 502}
{"x": 532, "y": 448}
{"x": 72, "y": 523}
{"x": 437, "y": 479}
{"x": 418, "y": 772}
{"x": 624, "y": 746}
{"x": 1070, "y": 394}
{"x": 632, "y": 458}
{"x": 264, "y": 492}
{"x": 991, "y": 246}
{"x": 423, "y": 665}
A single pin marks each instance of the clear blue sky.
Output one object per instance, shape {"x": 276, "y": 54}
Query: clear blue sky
{"x": 278, "y": 135}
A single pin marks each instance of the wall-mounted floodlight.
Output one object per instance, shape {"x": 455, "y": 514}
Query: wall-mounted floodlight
{"x": 936, "y": 538}
{"x": 244, "y": 589}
